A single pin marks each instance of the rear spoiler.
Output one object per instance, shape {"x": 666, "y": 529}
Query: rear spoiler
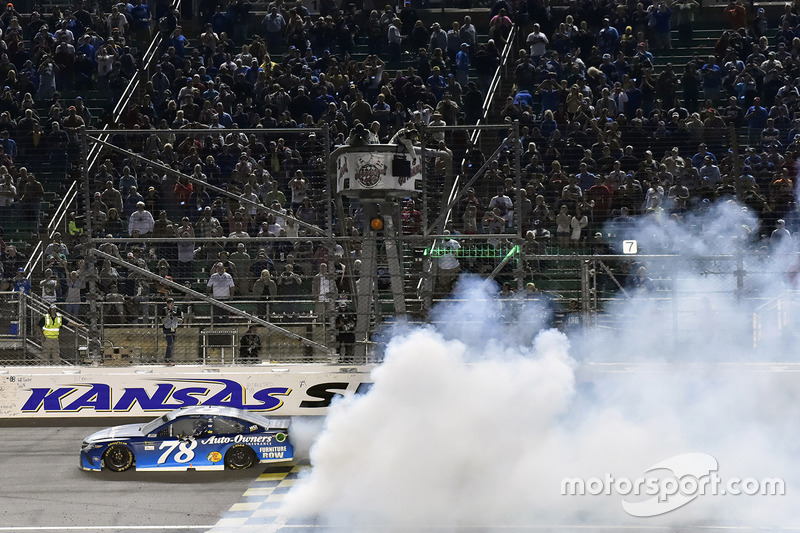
{"x": 278, "y": 423}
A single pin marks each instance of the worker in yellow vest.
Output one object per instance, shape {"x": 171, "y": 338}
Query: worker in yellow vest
{"x": 51, "y": 324}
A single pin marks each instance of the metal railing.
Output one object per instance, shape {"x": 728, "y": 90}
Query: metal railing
{"x": 494, "y": 86}
{"x": 292, "y": 325}
{"x": 488, "y": 100}
{"x": 93, "y": 155}
{"x": 24, "y": 333}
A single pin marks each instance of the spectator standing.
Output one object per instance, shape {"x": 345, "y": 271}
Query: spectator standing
{"x": 712, "y": 79}
{"x": 642, "y": 283}
{"x": 780, "y": 234}
{"x": 141, "y": 221}
{"x": 299, "y": 187}
{"x": 345, "y": 335}
{"x": 662, "y": 17}
{"x": 324, "y": 291}
{"x": 51, "y": 324}
{"x": 756, "y": 117}
{"x": 395, "y": 40}
{"x": 578, "y": 224}
{"x": 31, "y": 201}
{"x": 172, "y": 319}
{"x": 608, "y": 38}
{"x": 537, "y": 41}
{"x": 250, "y": 346}
{"x": 438, "y": 38}
{"x": 264, "y": 289}
{"x": 449, "y": 266}
{"x": 737, "y": 14}
{"x": 469, "y": 34}
{"x": 47, "y": 80}
{"x": 142, "y": 19}
{"x": 274, "y": 24}
{"x": 684, "y": 16}
{"x": 111, "y": 197}
{"x": 19, "y": 283}
{"x": 462, "y": 65}
{"x": 241, "y": 260}
{"x": 220, "y": 285}
{"x": 75, "y": 287}
{"x": 453, "y": 41}
{"x": 485, "y": 66}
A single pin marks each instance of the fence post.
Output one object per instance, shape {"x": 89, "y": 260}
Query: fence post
{"x": 737, "y": 163}
{"x": 740, "y": 272}
{"x": 675, "y": 323}
{"x": 23, "y": 323}
{"x": 518, "y": 201}
{"x": 585, "y": 291}
{"x": 326, "y": 138}
{"x": 423, "y": 167}
{"x": 93, "y": 339}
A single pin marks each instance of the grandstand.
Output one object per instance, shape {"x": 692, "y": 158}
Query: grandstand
{"x": 545, "y": 134}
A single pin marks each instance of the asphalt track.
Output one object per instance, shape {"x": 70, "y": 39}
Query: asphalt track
{"x": 42, "y": 489}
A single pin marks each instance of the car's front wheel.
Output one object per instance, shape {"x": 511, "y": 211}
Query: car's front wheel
{"x": 240, "y": 457}
{"x": 118, "y": 458}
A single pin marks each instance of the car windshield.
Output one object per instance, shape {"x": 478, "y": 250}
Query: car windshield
{"x": 151, "y": 427}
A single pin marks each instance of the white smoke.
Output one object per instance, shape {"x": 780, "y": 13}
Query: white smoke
{"x": 472, "y": 423}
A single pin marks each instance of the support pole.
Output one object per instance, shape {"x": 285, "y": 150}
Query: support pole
{"x": 520, "y": 271}
{"x": 94, "y": 338}
{"x": 366, "y": 286}
{"x": 391, "y": 240}
{"x": 329, "y": 179}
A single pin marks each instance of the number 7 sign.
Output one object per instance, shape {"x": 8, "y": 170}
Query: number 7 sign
{"x": 630, "y": 247}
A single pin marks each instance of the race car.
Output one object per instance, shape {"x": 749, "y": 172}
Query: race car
{"x": 199, "y": 437}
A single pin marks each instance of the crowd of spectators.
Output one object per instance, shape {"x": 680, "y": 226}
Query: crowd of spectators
{"x": 604, "y": 136}
{"x": 70, "y": 49}
{"x": 607, "y": 137}
{"x": 291, "y": 72}
{"x": 43, "y": 56}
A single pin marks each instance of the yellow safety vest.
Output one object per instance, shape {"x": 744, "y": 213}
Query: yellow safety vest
{"x": 51, "y": 326}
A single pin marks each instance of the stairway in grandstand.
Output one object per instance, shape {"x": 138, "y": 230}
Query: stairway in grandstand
{"x": 563, "y": 277}
{"x": 702, "y": 45}
{"x": 56, "y": 180}
{"x": 62, "y": 193}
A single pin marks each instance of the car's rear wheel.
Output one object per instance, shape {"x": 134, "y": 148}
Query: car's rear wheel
{"x": 240, "y": 457}
{"x": 118, "y": 458}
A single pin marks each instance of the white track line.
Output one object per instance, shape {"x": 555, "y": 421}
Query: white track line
{"x": 280, "y": 523}
{"x": 549, "y": 528}
{"x": 102, "y": 528}
{"x": 266, "y": 527}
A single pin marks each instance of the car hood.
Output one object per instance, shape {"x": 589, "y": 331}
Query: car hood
{"x": 116, "y": 432}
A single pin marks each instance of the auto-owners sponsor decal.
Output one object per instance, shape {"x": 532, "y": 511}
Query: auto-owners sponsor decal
{"x": 244, "y": 439}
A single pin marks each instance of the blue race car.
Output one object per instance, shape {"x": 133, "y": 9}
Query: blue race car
{"x": 200, "y": 437}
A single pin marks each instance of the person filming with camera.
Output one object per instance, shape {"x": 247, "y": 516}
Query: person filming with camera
{"x": 170, "y": 323}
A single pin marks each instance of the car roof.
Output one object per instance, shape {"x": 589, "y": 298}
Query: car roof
{"x": 219, "y": 410}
